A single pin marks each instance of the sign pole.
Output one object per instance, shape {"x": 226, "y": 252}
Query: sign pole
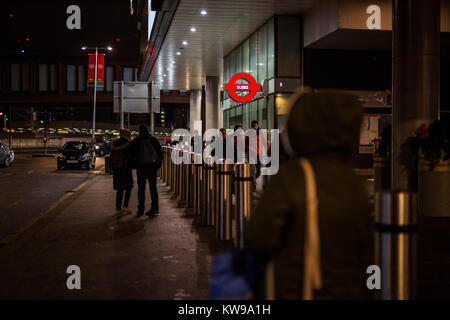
{"x": 95, "y": 96}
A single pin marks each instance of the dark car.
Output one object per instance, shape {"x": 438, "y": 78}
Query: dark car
{"x": 76, "y": 154}
{"x": 6, "y": 155}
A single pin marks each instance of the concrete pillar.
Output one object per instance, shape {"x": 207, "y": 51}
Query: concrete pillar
{"x": 416, "y": 82}
{"x": 195, "y": 109}
{"x": 212, "y": 103}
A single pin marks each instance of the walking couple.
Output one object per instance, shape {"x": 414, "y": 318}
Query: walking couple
{"x": 144, "y": 154}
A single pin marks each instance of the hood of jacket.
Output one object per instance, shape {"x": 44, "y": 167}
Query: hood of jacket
{"x": 324, "y": 122}
{"x": 120, "y": 144}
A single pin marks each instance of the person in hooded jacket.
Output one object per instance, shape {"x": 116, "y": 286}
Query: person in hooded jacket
{"x": 122, "y": 172}
{"x": 147, "y": 159}
{"x": 324, "y": 128}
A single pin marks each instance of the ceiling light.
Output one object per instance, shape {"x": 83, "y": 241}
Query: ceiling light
{"x": 185, "y": 43}
{"x": 203, "y": 12}
{"x": 165, "y": 75}
{"x": 193, "y": 29}
{"x": 168, "y": 69}
{"x": 178, "y": 53}
{"x": 173, "y": 61}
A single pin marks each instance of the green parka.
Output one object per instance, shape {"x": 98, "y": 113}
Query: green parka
{"x": 323, "y": 128}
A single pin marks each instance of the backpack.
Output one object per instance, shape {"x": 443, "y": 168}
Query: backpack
{"x": 147, "y": 154}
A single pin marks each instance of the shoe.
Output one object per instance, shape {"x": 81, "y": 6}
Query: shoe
{"x": 118, "y": 212}
{"x": 153, "y": 212}
{"x": 126, "y": 210}
{"x": 140, "y": 213}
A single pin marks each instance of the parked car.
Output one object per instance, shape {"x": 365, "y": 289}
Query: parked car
{"x": 76, "y": 154}
{"x": 6, "y": 155}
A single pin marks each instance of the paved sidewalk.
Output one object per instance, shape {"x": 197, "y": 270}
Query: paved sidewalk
{"x": 165, "y": 257}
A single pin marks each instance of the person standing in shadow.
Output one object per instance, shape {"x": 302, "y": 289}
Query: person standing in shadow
{"x": 147, "y": 158}
{"x": 122, "y": 172}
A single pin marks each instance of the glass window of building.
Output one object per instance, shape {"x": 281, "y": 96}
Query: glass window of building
{"x": 262, "y": 54}
{"x": 270, "y": 49}
{"x": 43, "y": 77}
{"x": 15, "y": 77}
{"x": 109, "y": 78}
{"x": 53, "y": 77}
{"x": 130, "y": 74}
{"x": 47, "y": 77}
{"x": 246, "y": 56}
{"x": 81, "y": 78}
{"x": 71, "y": 78}
{"x": 20, "y": 77}
{"x": 253, "y": 68}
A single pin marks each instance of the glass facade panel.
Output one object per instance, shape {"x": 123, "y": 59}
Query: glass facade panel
{"x": 15, "y": 77}
{"x": 81, "y": 78}
{"x": 253, "y": 57}
{"x": 109, "y": 78}
{"x": 270, "y": 49}
{"x": 127, "y": 74}
{"x": 26, "y": 77}
{"x": 246, "y": 56}
{"x": 71, "y": 78}
{"x": 53, "y": 77}
{"x": 43, "y": 77}
{"x": 262, "y": 54}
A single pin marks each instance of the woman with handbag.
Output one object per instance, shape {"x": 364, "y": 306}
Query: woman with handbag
{"x": 312, "y": 227}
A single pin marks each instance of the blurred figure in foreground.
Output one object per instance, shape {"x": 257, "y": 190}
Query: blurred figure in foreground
{"x": 323, "y": 128}
{"x": 122, "y": 172}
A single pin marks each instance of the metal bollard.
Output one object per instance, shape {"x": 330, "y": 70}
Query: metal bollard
{"x": 395, "y": 244}
{"x": 209, "y": 189}
{"x": 244, "y": 180}
{"x": 224, "y": 200}
{"x": 188, "y": 185}
{"x": 165, "y": 165}
{"x": 190, "y": 182}
{"x": 198, "y": 182}
{"x": 177, "y": 175}
{"x": 183, "y": 178}
{"x": 172, "y": 171}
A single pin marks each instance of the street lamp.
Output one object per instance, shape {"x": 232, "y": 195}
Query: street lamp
{"x": 84, "y": 48}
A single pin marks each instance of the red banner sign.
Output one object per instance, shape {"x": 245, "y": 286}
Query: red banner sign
{"x": 100, "y": 67}
{"x": 252, "y": 87}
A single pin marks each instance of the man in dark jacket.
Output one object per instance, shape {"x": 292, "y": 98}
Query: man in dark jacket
{"x": 146, "y": 158}
{"x": 323, "y": 128}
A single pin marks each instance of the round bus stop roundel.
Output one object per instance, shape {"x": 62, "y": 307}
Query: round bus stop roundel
{"x": 252, "y": 87}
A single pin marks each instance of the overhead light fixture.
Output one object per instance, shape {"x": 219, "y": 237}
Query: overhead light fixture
{"x": 83, "y": 48}
{"x": 185, "y": 43}
{"x": 203, "y": 12}
{"x": 168, "y": 69}
{"x": 173, "y": 61}
{"x": 165, "y": 75}
{"x": 193, "y": 29}
{"x": 178, "y": 53}
{"x": 109, "y": 48}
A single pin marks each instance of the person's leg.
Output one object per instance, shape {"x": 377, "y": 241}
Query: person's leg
{"x": 153, "y": 190}
{"x": 141, "y": 180}
{"x": 127, "y": 197}
{"x": 119, "y": 196}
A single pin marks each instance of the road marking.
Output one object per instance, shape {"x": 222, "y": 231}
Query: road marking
{"x": 9, "y": 238}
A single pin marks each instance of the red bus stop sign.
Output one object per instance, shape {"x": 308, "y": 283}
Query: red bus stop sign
{"x": 252, "y": 87}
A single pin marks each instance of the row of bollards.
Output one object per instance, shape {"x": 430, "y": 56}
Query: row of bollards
{"x": 206, "y": 186}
